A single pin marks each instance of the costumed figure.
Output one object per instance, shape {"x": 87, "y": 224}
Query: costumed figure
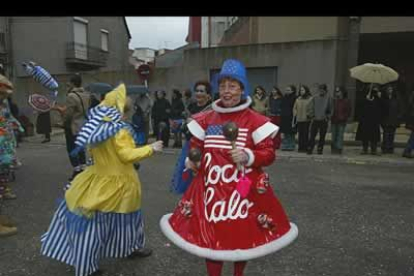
{"x": 101, "y": 215}
{"x": 39, "y": 102}
{"x": 229, "y": 211}
{"x": 7, "y": 154}
{"x": 8, "y": 142}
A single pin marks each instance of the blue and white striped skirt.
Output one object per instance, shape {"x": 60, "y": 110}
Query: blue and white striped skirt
{"x": 81, "y": 242}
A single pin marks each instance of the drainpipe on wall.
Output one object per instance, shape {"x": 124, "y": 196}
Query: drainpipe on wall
{"x": 354, "y": 31}
{"x": 209, "y": 31}
{"x": 8, "y": 67}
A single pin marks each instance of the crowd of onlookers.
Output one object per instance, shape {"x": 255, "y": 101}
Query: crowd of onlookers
{"x": 299, "y": 112}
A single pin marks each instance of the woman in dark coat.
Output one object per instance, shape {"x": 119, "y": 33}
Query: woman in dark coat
{"x": 288, "y": 100}
{"x": 44, "y": 126}
{"x": 161, "y": 112}
{"x": 369, "y": 122}
{"x": 274, "y": 111}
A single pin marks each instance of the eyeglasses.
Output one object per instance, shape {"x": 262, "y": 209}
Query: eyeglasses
{"x": 230, "y": 87}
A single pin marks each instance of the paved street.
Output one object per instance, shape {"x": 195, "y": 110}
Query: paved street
{"x": 355, "y": 216}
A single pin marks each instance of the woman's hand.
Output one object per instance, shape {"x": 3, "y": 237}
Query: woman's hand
{"x": 239, "y": 156}
{"x": 194, "y": 166}
{"x": 157, "y": 146}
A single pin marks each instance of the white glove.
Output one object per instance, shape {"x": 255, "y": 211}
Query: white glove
{"x": 157, "y": 146}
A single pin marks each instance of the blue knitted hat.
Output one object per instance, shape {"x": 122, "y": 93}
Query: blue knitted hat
{"x": 234, "y": 69}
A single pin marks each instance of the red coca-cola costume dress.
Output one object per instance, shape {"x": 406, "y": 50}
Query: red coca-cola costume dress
{"x": 211, "y": 220}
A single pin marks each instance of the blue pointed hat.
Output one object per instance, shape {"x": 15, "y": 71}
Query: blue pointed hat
{"x": 234, "y": 69}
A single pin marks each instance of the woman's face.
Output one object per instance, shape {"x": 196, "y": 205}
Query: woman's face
{"x": 288, "y": 90}
{"x": 302, "y": 91}
{"x": 274, "y": 92}
{"x": 259, "y": 92}
{"x": 338, "y": 93}
{"x": 230, "y": 92}
{"x": 201, "y": 94}
{"x": 160, "y": 95}
{"x": 390, "y": 90}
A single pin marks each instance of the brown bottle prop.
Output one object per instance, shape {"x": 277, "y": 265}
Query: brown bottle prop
{"x": 231, "y": 131}
{"x": 194, "y": 155}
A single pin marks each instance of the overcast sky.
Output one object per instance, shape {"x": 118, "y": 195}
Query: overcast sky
{"x": 157, "y": 32}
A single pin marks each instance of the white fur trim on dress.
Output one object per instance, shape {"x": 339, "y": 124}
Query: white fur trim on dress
{"x": 250, "y": 153}
{"x": 228, "y": 255}
{"x": 241, "y": 107}
{"x": 196, "y": 130}
{"x": 266, "y": 130}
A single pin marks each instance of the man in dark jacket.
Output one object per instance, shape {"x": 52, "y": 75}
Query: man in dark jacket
{"x": 409, "y": 124}
{"x": 177, "y": 117}
{"x": 161, "y": 112}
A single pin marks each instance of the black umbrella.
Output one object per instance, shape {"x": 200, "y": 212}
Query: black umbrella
{"x": 99, "y": 88}
{"x": 136, "y": 89}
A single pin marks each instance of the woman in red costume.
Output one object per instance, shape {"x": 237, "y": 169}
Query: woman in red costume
{"x": 213, "y": 220}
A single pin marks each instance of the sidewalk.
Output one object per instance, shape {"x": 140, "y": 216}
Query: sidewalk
{"x": 351, "y": 153}
{"x": 37, "y": 138}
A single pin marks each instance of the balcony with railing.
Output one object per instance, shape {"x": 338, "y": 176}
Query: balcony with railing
{"x": 84, "y": 55}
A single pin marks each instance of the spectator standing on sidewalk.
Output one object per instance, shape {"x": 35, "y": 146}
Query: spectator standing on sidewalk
{"x": 301, "y": 112}
{"x": 409, "y": 124}
{"x": 177, "y": 117}
{"x": 202, "y": 95}
{"x": 187, "y": 100}
{"x": 145, "y": 103}
{"x": 320, "y": 109}
{"x": 286, "y": 116}
{"x": 391, "y": 121}
{"x": 341, "y": 112}
{"x": 161, "y": 112}
{"x": 44, "y": 125}
{"x": 369, "y": 121}
{"x": 201, "y": 102}
{"x": 260, "y": 101}
{"x": 274, "y": 112}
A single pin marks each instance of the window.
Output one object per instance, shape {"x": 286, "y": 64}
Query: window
{"x": 231, "y": 20}
{"x": 80, "y": 37}
{"x": 104, "y": 40}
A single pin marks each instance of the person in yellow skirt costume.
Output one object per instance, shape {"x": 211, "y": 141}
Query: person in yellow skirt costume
{"x": 101, "y": 215}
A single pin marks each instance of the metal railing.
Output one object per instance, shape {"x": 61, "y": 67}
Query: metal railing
{"x": 80, "y": 53}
